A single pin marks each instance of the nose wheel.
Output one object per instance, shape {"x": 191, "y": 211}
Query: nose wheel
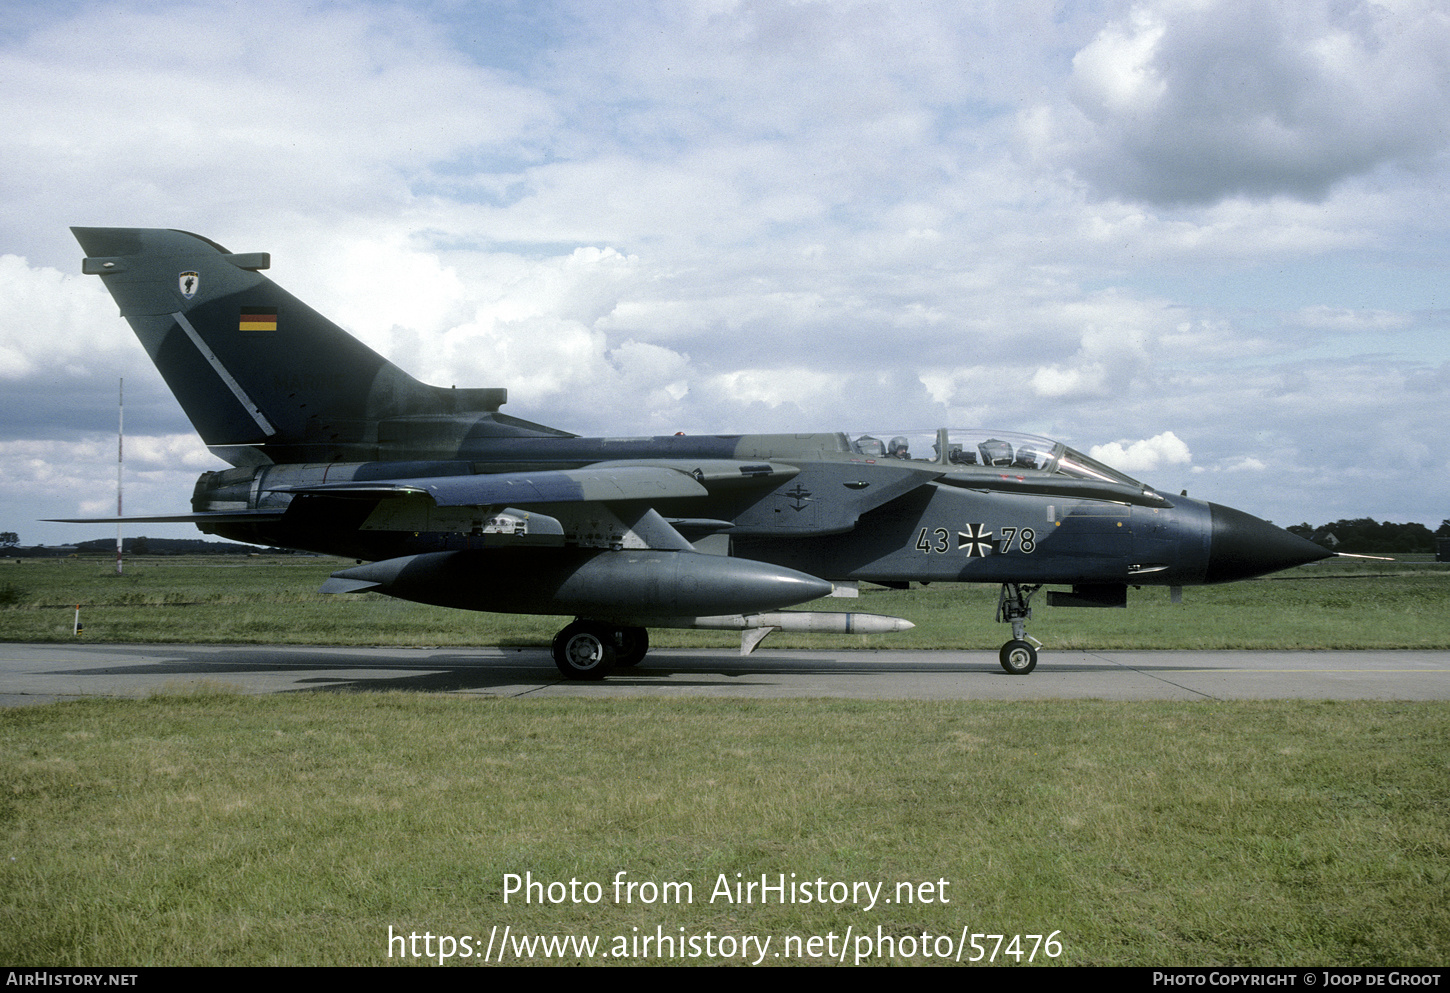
{"x": 1014, "y": 605}
{"x": 1018, "y": 657}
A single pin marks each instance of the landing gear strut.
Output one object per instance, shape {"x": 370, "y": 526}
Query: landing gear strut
{"x": 1017, "y": 656}
{"x": 593, "y": 649}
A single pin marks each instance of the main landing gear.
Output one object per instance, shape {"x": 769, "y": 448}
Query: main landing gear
{"x": 593, "y": 649}
{"x": 1018, "y": 656}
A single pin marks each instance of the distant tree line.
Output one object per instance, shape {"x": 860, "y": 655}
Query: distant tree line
{"x": 10, "y": 544}
{"x": 137, "y": 546}
{"x": 1365, "y": 534}
{"x": 165, "y": 546}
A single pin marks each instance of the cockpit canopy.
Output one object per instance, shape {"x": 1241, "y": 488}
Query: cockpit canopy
{"x": 1000, "y": 450}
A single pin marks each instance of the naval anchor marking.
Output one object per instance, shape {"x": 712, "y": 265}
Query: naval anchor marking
{"x": 800, "y": 496}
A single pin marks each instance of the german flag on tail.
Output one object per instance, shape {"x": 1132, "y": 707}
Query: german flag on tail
{"x": 257, "y": 319}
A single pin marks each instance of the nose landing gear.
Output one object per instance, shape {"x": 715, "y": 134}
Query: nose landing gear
{"x": 1018, "y": 656}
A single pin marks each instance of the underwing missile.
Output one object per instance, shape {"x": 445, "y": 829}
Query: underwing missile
{"x": 753, "y": 628}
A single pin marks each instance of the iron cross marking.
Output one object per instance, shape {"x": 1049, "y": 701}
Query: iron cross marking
{"x": 976, "y": 539}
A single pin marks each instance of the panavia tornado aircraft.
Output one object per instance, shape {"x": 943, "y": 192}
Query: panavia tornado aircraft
{"x": 450, "y": 502}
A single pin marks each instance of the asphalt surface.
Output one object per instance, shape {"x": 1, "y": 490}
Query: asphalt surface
{"x": 36, "y": 674}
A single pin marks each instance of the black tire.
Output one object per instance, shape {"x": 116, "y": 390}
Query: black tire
{"x": 585, "y": 650}
{"x": 630, "y": 647}
{"x": 1018, "y": 658}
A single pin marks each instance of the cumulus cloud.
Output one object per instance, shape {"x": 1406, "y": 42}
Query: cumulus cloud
{"x": 168, "y": 453}
{"x": 78, "y": 477}
{"x": 189, "y": 109}
{"x": 1193, "y": 101}
{"x": 1144, "y": 456}
{"x": 1065, "y": 383}
{"x": 1115, "y": 341}
{"x": 53, "y": 323}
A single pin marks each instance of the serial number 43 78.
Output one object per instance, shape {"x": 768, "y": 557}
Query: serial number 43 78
{"x": 977, "y": 540}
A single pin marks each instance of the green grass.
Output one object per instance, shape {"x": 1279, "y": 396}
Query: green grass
{"x": 213, "y": 828}
{"x": 222, "y": 829}
{"x": 1334, "y": 604}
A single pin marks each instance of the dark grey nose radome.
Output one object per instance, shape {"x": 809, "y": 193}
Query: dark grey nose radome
{"x": 1241, "y": 545}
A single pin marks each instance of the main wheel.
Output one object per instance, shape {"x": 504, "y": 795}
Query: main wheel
{"x": 585, "y": 650}
{"x": 1018, "y": 657}
{"x": 631, "y": 644}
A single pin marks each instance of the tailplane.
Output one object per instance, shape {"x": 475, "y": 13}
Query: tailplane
{"x": 264, "y": 377}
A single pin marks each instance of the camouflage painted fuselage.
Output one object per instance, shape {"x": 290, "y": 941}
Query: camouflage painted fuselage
{"x": 337, "y": 450}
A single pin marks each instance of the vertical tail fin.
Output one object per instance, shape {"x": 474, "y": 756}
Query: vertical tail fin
{"x": 262, "y": 376}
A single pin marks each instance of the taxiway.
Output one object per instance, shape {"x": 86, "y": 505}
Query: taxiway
{"x": 43, "y": 673}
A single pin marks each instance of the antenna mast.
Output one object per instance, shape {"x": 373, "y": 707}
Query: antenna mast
{"x": 120, "y": 454}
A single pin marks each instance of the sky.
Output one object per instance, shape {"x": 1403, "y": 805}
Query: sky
{"x": 1203, "y": 240}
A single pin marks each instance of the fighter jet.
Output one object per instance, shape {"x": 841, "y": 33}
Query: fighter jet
{"x": 447, "y": 500}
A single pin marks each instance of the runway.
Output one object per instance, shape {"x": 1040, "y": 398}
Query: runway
{"x": 38, "y": 674}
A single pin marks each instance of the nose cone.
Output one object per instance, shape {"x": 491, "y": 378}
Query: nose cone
{"x": 1242, "y": 546}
